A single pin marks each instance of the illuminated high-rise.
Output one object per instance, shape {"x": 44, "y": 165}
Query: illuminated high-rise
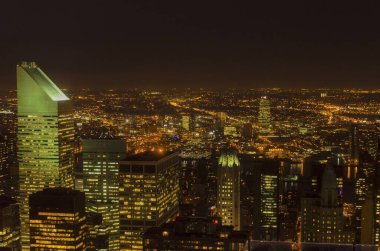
{"x": 186, "y": 122}
{"x": 149, "y": 194}
{"x": 7, "y": 152}
{"x": 264, "y": 115}
{"x": 101, "y": 183}
{"x": 269, "y": 201}
{"x": 57, "y": 220}
{"x": 228, "y": 193}
{"x": 45, "y": 136}
{"x": 354, "y": 143}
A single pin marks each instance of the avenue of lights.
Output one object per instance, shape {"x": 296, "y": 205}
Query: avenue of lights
{"x": 188, "y": 169}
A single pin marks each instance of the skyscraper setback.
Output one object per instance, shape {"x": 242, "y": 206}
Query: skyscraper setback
{"x": 45, "y": 138}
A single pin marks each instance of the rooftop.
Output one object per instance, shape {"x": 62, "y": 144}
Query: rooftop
{"x": 185, "y": 227}
{"x": 43, "y": 81}
{"x": 58, "y": 191}
{"x": 149, "y": 156}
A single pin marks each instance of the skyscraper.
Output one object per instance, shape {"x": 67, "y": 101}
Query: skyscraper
{"x": 57, "y": 220}
{"x": 7, "y": 152}
{"x": 228, "y": 193}
{"x": 45, "y": 137}
{"x": 149, "y": 194}
{"x": 264, "y": 115}
{"x": 269, "y": 200}
{"x": 101, "y": 181}
{"x": 186, "y": 122}
{"x": 260, "y": 196}
{"x": 322, "y": 216}
{"x": 354, "y": 143}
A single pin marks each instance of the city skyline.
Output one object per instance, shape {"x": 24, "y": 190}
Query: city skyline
{"x": 189, "y": 125}
{"x": 238, "y": 170}
{"x": 127, "y": 44}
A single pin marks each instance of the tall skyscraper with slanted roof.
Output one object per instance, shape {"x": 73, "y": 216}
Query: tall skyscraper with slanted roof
{"x": 45, "y": 136}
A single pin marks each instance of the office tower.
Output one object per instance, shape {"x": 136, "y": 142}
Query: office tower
{"x": 45, "y": 137}
{"x": 322, "y": 218}
{"x": 9, "y": 224}
{"x": 260, "y": 196}
{"x": 264, "y": 115}
{"x": 228, "y": 195}
{"x": 269, "y": 200}
{"x": 191, "y": 233}
{"x": 4, "y": 164}
{"x": 367, "y": 221}
{"x": 354, "y": 143}
{"x": 194, "y": 190}
{"x": 149, "y": 191}
{"x": 289, "y": 174}
{"x": 186, "y": 122}
{"x": 364, "y": 187}
{"x": 57, "y": 220}
{"x": 101, "y": 181}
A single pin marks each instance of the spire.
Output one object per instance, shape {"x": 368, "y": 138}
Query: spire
{"x": 229, "y": 158}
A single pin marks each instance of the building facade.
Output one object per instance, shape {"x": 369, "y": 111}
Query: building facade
{"x": 149, "y": 194}
{"x": 264, "y": 115}
{"x": 269, "y": 201}
{"x": 322, "y": 219}
{"x": 57, "y": 220}
{"x": 228, "y": 191}
{"x": 101, "y": 181}
{"x": 45, "y": 138}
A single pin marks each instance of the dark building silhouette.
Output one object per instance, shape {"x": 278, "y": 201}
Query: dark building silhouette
{"x": 57, "y": 220}
{"x": 322, "y": 215}
{"x": 190, "y": 233}
{"x": 260, "y": 196}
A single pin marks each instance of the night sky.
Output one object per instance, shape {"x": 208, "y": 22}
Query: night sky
{"x": 162, "y": 44}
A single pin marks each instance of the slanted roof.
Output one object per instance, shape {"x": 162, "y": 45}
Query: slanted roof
{"x": 46, "y": 84}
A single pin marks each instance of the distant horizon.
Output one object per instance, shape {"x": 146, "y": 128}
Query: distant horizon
{"x": 375, "y": 90}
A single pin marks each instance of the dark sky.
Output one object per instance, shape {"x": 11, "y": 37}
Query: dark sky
{"x": 145, "y": 43}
